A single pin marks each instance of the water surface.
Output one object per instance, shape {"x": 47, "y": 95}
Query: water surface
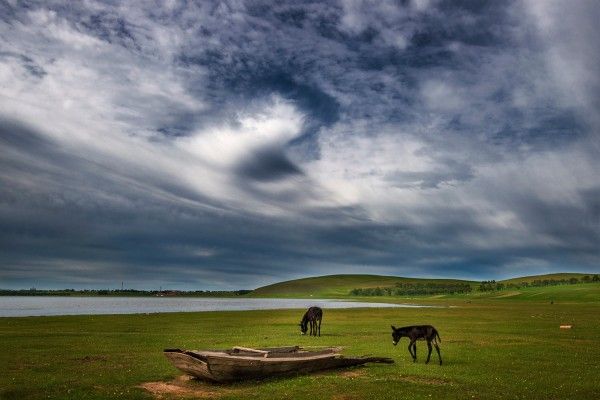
{"x": 23, "y": 306}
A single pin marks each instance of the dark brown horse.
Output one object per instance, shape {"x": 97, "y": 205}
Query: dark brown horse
{"x": 418, "y": 332}
{"x": 313, "y": 316}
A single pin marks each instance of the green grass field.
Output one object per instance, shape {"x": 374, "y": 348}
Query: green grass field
{"x": 493, "y": 348}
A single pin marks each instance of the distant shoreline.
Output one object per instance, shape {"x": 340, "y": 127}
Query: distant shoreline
{"x": 122, "y": 293}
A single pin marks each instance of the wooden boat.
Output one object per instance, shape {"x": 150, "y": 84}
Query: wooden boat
{"x": 245, "y": 363}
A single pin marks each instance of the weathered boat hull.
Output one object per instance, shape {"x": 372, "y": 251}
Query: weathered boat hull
{"x": 223, "y": 367}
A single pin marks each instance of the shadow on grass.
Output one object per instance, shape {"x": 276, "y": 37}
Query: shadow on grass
{"x": 433, "y": 363}
{"x": 326, "y": 335}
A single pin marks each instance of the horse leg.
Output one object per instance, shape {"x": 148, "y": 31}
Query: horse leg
{"x": 319, "y": 327}
{"x": 311, "y": 328}
{"x": 437, "y": 348}
{"x": 429, "y": 353}
{"x": 412, "y": 349}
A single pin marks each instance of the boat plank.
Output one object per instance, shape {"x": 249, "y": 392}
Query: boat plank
{"x": 249, "y": 350}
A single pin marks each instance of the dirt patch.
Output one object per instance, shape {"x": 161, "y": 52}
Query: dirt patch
{"x": 23, "y": 365}
{"x": 425, "y": 380}
{"x": 343, "y": 397}
{"x": 88, "y": 359}
{"x": 509, "y": 294}
{"x": 184, "y": 387}
{"x": 356, "y": 373}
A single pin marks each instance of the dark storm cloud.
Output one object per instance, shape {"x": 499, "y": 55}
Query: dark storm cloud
{"x": 266, "y": 165}
{"x": 227, "y": 145}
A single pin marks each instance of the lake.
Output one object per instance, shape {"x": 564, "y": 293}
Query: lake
{"x": 25, "y": 306}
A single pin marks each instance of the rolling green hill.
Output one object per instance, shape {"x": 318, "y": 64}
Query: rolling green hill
{"x": 336, "y": 286}
{"x": 557, "y": 276}
{"x": 339, "y": 286}
{"x": 583, "y": 292}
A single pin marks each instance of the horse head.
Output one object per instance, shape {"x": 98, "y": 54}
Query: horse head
{"x": 396, "y": 335}
{"x": 303, "y": 328}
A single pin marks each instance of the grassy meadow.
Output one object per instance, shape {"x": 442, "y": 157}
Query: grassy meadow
{"x": 493, "y": 348}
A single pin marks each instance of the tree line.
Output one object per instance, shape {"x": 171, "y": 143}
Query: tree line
{"x": 489, "y": 286}
{"x": 413, "y": 289}
{"x": 410, "y": 289}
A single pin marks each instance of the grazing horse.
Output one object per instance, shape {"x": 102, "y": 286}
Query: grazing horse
{"x": 314, "y": 315}
{"x": 414, "y": 333}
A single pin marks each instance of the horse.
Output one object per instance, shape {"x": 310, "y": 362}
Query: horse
{"x": 313, "y": 315}
{"x": 418, "y": 332}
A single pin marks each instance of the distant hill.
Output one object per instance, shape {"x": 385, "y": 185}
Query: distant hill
{"x": 336, "y": 286}
{"x": 557, "y": 276}
{"x": 339, "y": 286}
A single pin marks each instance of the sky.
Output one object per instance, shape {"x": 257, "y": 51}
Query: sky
{"x": 228, "y": 145}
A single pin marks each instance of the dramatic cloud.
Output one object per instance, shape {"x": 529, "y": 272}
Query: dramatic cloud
{"x": 235, "y": 144}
